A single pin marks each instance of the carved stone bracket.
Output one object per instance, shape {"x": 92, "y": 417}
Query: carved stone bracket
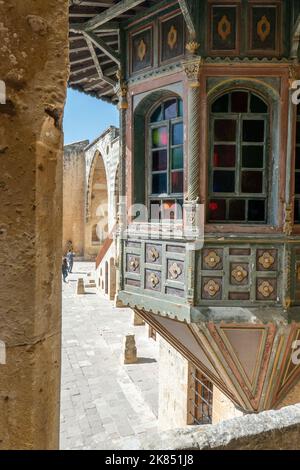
{"x": 288, "y": 220}
{"x": 122, "y": 90}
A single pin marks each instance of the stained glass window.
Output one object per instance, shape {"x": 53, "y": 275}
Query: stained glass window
{"x": 167, "y": 160}
{"x": 238, "y": 181}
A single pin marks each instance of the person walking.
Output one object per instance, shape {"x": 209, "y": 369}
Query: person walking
{"x": 65, "y": 269}
{"x": 70, "y": 258}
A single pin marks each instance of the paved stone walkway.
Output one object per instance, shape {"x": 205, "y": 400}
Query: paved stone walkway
{"x": 104, "y": 404}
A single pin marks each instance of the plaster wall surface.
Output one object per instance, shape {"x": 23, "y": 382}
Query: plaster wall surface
{"x": 223, "y": 408}
{"x": 34, "y": 66}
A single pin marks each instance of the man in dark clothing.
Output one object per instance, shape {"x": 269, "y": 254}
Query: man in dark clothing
{"x": 65, "y": 270}
{"x": 70, "y": 258}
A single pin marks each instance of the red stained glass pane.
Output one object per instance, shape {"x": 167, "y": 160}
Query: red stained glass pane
{"x": 160, "y": 160}
{"x": 177, "y": 182}
{"x": 217, "y": 210}
{"x": 224, "y": 156}
{"x": 225, "y": 130}
{"x": 239, "y": 102}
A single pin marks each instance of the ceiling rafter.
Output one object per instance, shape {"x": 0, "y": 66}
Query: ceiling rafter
{"x": 186, "y": 9}
{"x": 97, "y": 63}
{"x": 102, "y": 45}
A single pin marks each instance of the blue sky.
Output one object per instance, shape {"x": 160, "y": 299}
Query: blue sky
{"x": 86, "y": 117}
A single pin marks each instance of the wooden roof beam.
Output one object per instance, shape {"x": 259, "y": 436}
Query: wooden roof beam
{"x": 103, "y": 46}
{"x": 97, "y": 63}
{"x": 186, "y": 9}
{"x": 111, "y": 13}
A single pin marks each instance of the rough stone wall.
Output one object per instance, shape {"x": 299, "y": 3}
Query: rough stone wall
{"x": 74, "y": 196}
{"x": 173, "y": 387}
{"x": 34, "y": 66}
{"x": 270, "y": 430}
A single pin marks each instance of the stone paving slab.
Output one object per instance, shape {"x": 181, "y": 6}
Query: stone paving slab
{"x": 104, "y": 404}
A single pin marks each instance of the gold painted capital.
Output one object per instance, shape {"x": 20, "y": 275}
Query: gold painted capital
{"x": 192, "y": 69}
{"x": 192, "y": 47}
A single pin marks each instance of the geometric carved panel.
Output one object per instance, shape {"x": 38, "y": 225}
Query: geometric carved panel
{"x": 133, "y": 264}
{"x": 153, "y": 280}
{"x": 211, "y": 288}
{"x": 153, "y": 254}
{"x": 239, "y": 274}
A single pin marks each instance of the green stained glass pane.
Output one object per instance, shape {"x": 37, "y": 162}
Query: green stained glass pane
{"x": 159, "y": 137}
{"x": 177, "y": 158}
{"x": 177, "y": 134}
{"x": 157, "y": 116}
{"x": 180, "y": 108}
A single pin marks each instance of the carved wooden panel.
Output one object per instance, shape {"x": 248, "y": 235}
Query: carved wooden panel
{"x": 239, "y": 274}
{"x": 153, "y": 280}
{"x": 266, "y": 289}
{"x": 224, "y": 29}
{"x": 141, "y": 50}
{"x": 133, "y": 282}
{"x": 264, "y": 28}
{"x": 172, "y": 41}
{"x": 153, "y": 254}
{"x": 212, "y": 259}
{"x": 212, "y": 288}
{"x": 266, "y": 260}
{"x": 175, "y": 270}
{"x": 175, "y": 292}
{"x": 133, "y": 264}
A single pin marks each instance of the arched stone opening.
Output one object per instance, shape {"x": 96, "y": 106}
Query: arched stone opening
{"x": 97, "y": 207}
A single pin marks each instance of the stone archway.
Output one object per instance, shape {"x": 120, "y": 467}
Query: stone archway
{"x": 96, "y": 229}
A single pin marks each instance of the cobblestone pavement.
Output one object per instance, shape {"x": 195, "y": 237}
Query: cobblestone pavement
{"x": 104, "y": 404}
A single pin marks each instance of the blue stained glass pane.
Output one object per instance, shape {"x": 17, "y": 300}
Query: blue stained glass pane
{"x": 224, "y": 182}
{"x": 159, "y": 183}
{"x": 177, "y": 134}
{"x": 157, "y": 116}
{"x": 177, "y": 158}
{"x": 170, "y": 109}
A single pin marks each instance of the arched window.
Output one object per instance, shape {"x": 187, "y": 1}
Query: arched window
{"x": 297, "y": 170}
{"x": 166, "y": 160}
{"x": 239, "y": 159}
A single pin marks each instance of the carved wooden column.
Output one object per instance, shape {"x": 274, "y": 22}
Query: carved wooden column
{"x": 192, "y": 69}
{"x": 122, "y": 91}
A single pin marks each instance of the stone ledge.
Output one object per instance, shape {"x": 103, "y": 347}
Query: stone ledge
{"x": 278, "y": 430}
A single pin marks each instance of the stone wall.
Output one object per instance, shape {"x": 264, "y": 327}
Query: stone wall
{"x": 74, "y": 196}
{"x": 173, "y": 387}
{"x": 270, "y": 430}
{"x": 223, "y": 408}
{"x": 34, "y": 66}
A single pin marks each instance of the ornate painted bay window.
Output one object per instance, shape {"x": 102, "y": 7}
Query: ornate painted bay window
{"x": 239, "y": 160}
{"x": 297, "y": 170}
{"x": 166, "y": 160}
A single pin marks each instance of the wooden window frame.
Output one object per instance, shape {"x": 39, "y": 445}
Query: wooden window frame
{"x": 239, "y": 143}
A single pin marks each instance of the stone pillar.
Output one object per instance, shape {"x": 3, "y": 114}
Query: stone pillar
{"x": 122, "y": 91}
{"x": 191, "y": 214}
{"x": 34, "y": 67}
{"x": 80, "y": 287}
{"x": 129, "y": 350}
